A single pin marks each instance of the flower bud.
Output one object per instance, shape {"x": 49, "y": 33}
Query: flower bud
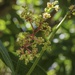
{"x": 55, "y": 2}
{"x": 72, "y": 7}
{"x": 49, "y": 5}
{"x": 46, "y": 15}
{"x": 56, "y": 7}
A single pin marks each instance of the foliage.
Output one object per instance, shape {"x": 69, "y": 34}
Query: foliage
{"x": 59, "y": 58}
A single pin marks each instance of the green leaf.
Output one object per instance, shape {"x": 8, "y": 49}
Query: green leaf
{"x": 23, "y": 69}
{"x": 6, "y": 58}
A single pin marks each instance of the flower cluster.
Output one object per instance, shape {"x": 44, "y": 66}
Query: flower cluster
{"x": 49, "y": 7}
{"x": 29, "y": 46}
{"x": 27, "y": 14}
{"x": 32, "y": 42}
{"x": 72, "y": 9}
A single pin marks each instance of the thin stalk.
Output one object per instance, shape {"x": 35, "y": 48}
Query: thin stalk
{"x": 50, "y": 37}
{"x": 42, "y": 51}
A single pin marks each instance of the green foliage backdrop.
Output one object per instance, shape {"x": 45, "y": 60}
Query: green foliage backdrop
{"x": 61, "y": 59}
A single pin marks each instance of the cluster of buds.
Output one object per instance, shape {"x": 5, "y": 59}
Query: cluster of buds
{"x": 29, "y": 46}
{"x": 72, "y": 9}
{"x": 46, "y": 15}
{"x": 30, "y": 43}
{"x": 50, "y": 6}
{"x": 27, "y": 14}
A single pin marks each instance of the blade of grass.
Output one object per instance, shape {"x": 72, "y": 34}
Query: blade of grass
{"x": 6, "y": 57}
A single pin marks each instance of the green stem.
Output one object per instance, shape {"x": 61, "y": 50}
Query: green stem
{"x": 42, "y": 51}
{"x": 50, "y": 37}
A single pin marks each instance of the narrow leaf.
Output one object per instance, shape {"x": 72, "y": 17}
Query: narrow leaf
{"x": 6, "y": 57}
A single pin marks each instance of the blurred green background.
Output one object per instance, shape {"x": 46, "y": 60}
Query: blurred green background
{"x": 61, "y": 59}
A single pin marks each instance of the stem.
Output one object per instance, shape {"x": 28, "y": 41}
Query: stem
{"x": 50, "y": 37}
{"x": 38, "y": 28}
{"x": 42, "y": 51}
{"x": 32, "y": 27}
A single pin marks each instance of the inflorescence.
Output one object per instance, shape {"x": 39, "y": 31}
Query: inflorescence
{"x": 32, "y": 42}
{"x": 72, "y": 10}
